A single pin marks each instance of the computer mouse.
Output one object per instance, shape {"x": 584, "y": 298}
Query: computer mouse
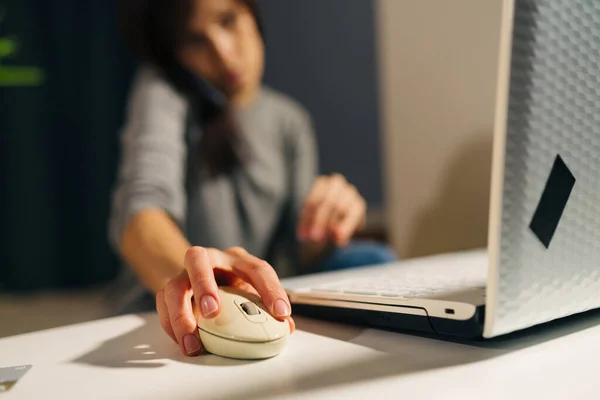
{"x": 243, "y": 329}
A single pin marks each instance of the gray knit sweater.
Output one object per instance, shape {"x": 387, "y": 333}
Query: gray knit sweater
{"x": 256, "y": 207}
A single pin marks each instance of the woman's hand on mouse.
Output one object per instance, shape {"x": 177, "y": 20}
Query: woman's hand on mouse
{"x": 334, "y": 208}
{"x": 204, "y": 269}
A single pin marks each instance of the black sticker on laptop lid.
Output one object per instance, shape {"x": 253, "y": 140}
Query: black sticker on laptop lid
{"x": 553, "y": 202}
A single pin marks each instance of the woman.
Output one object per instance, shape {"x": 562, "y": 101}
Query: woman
{"x": 211, "y": 157}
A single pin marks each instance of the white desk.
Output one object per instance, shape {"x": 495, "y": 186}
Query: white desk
{"x": 130, "y": 357}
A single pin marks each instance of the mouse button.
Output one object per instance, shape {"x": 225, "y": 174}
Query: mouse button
{"x": 238, "y": 329}
{"x": 251, "y": 311}
{"x": 258, "y": 319}
{"x": 275, "y": 329}
{"x": 223, "y": 318}
{"x": 250, "y": 308}
{"x": 215, "y": 324}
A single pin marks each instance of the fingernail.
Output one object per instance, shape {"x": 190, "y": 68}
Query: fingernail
{"x": 209, "y": 305}
{"x": 281, "y": 308}
{"x": 191, "y": 343}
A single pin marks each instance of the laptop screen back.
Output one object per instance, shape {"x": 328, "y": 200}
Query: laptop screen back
{"x": 545, "y": 219}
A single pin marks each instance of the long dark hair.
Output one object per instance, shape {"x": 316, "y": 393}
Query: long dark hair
{"x": 154, "y": 30}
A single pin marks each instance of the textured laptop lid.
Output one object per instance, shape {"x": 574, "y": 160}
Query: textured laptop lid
{"x": 549, "y": 253}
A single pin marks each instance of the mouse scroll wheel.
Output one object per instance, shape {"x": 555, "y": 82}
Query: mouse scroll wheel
{"x": 250, "y": 308}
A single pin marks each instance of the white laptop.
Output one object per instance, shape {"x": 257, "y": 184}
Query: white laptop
{"x": 543, "y": 257}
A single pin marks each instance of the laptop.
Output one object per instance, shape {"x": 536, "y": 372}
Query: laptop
{"x": 542, "y": 261}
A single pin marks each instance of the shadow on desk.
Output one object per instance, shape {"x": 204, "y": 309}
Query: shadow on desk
{"x": 396, "y": 354}
{"x": 409, "y": 353}
{"x": 146, "y": 346}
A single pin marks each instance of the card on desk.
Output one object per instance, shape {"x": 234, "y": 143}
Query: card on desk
{"x": 9, "y": 376}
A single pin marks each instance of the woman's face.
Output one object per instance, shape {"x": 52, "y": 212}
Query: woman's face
{"x": 223, "y": 46}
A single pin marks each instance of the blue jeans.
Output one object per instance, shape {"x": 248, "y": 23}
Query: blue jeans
{"x": 358, "y": 254}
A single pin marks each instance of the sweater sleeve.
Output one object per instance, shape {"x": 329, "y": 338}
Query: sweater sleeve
{"x": 151, "y": 171}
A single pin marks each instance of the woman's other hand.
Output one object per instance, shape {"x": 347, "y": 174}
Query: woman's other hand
{"x": 333, "y": 209}
{"x": 205, "y": 269}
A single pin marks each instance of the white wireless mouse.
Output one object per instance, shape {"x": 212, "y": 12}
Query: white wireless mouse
{"x": 243, "y": 329}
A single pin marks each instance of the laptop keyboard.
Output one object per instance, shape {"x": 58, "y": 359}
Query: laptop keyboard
{"x": 407, "y": 283}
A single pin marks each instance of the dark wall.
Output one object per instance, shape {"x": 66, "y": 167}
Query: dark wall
{"x": 58, "y": 147}
{"x": 323, "y": 54}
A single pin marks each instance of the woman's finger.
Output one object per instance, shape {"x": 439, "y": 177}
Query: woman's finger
{"x": 322, "y": 213}
{"x": 264, "y": 279}
{"x": 202, "y": 279}
{"x": 346, "y": 228}
{"x": 315, "y": 197}
{"x": 292, "y": 324}
{"x": 345, "y": 202}
{"x": 163, "y": 314}
{"x": 178, "y": 295}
